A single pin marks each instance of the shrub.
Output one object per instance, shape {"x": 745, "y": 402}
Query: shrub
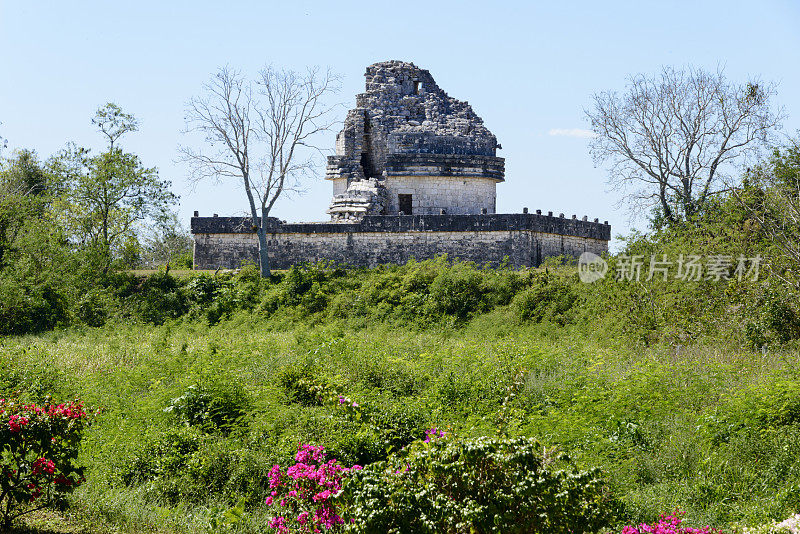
{"x": 212, "y": 405}
{"x": 303, "y": 497}
{"x": 200, "y": 290}
{"x": 301, "y": 387}
{"x": 39, "y": 447}
{"x": 162, "y": 465}
{"x": 184, "y": 465}
{"x": 249, "y": 283}
{"x": 182, "y": 261}
{"x": 28, "y": 306}
{"x": 774, "y": 318}
{"x": 396, "y": 425}
{"x": 550, "y": 298}
{"x": 300, "y": 280}
{"x": 456, "y": 291}
{"x": 762, "y": 406}
{"x": 165, "y": 455}
{"x": 226, "y": 301}
{"x": 482, "y": 485}
{"x": 670, "y": 524}
{"x": 367, "y": 434}
{"x": 160, "y": 298}
{"x": 120, "y": 283}
{"x": 94, "y": 307}
{"x": 502, "y": 285}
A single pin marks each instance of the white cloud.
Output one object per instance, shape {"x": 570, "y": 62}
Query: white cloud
{"x": 571, "y": 132}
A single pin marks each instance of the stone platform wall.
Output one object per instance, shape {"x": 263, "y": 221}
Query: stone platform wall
{"x": 525, "y": 239}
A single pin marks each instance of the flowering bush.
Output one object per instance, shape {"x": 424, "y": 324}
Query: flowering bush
{"x": 670, "y": 524}
{"x": 39, "y": 447}
{"x": 304, "y": 495}
{"x": 484, "y": 485}
{"x": 433, "y": 433}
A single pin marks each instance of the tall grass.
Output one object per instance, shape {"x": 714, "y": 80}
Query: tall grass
{"x": 712, "y": 429}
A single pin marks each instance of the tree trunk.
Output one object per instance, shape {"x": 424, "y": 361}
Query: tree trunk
{"x": 263, "y": 251}
{"x": 662, "y": 196}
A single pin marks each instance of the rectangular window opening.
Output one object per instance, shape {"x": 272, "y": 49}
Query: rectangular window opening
{"x": 404, "y": 202}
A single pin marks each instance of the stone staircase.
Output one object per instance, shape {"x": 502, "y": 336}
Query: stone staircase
{"x": 362, "y": 197}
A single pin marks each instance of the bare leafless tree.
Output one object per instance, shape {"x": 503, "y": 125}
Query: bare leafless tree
{"x": 673, "y": 140}
{"x": 261, "y": 133}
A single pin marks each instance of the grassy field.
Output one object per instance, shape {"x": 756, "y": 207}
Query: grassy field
{"x": 710, "y": 429}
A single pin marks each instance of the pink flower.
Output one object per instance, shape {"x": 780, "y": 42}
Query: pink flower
{"x": 433, "y": 433}
{"x": 275, "y": 476}
{"x": 43, "y": 465}
{"x": 668, "y": 525}
{"x": 322, "y": 496}
{"x": 17, "y": 423}
{"x": 307, "y": 491}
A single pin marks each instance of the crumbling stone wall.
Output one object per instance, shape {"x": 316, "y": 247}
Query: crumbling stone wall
{"x": 404, "y": 125}
{"x": 525, "y": 239}
{"x": 406, "y": 140}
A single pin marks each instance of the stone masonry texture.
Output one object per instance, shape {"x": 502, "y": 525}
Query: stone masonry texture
{"x": 524, "y": 240}
{"x": 403, "y": 136}
{"x": 414, "y": 176}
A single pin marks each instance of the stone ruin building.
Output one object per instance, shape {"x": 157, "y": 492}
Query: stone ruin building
{"x": 414, "y": 176}
{"x": 408, "y": 148}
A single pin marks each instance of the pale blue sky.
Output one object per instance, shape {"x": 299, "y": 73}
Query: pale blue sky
{"x": 526, "y": 67}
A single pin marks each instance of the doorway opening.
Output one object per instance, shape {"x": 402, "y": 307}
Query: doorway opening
{"x": 405, "y": 204}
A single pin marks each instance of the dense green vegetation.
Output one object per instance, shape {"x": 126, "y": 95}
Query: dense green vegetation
{"x": 68, "y": 224}
{"x": 629, "y": 397}
{"x": 206, "y": 382}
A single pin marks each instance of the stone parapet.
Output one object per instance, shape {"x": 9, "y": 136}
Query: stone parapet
{"x": 501, "y": 222}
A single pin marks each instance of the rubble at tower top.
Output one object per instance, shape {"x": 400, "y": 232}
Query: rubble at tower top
{"x": 405, "y": 124}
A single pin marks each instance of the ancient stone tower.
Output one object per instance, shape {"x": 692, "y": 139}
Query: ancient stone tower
{"x": 414, "y": 176}
{"x": 408, "y": 148}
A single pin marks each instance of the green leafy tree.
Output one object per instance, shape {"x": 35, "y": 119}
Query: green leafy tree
{"x": 37, "y": 270}
{"x": 113, "y": 191}
{"x": 167, "y": 243}
{"x": 22, "y": 180}
{"x": 771, "y": 196}
{"x": 130, "y": 253}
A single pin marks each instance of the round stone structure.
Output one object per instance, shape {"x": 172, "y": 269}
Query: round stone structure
{"x": 407, "y": 148}
{"x": 414, "y": 176}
